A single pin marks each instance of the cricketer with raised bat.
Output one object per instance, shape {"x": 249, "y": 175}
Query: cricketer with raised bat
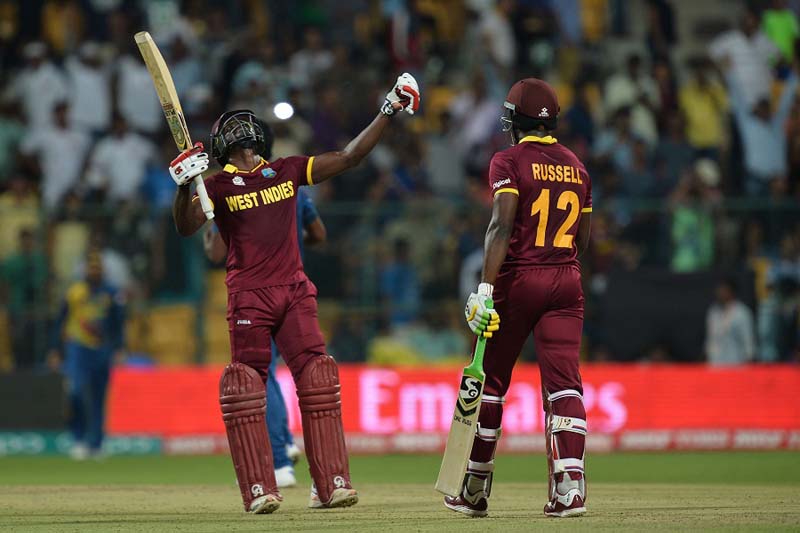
{"x": 540, "y": 223}
{"x": 269, "y": 295}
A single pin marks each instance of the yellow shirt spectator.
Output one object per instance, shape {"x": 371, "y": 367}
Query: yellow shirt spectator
{"x": 705, "y": 108}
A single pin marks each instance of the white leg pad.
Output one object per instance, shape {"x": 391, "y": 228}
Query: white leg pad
{"x": 563, "y": 394}
{"x": 474, "y": 467}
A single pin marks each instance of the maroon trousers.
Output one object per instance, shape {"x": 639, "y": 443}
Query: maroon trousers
{"x": 287, "y": 312}
{"x": 548, "y": 302}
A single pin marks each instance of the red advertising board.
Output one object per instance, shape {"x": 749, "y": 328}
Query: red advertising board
{"x": 384, "y": 409}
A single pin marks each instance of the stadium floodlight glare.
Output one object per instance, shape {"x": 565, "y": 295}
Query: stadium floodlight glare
{"x": 283, "y": 110}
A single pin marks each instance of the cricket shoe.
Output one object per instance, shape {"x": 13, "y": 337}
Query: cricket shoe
{"x": 284, "y": 476}
{"x": 340, "y": 498}
{"x": 266, "y": 504}
{"x": 474, "y": 498}
{"x": 294, "y": 453}
{"x": 568, "y": 499}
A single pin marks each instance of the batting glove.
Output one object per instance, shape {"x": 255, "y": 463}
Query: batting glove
{"x": 188, "y": 165}
{"x": 481, "y": 318}
{"x": 405, "y": 92}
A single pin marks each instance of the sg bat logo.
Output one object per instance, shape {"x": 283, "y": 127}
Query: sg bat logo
{"x": 469, "y": 395}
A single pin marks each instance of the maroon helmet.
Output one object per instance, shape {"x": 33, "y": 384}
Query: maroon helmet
{"x": 530, "y": 103}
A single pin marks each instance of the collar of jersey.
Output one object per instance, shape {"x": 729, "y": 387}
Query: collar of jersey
{"x": 230, "y": 169}
{"x": 541, "y": 140}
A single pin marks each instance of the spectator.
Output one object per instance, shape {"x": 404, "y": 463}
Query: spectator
{"x": 704, "y": 104}
{"x": 764, "y": 136}
{"x": 186, "y": 70}
{"x": 111, "y": 178}
{"x": 24, "y": 275}
{"x": 90, "y": 89}
{"x": 59, "y": 153}
{"x": 616, "y": 143}
{"x": 497, "y": 36}
{"x": 12, "y": 131}
{"x": 672, "y": 156}
{"x": 19, "y": 208}
{"x": 781, "y": 26}
{"x": 399, "y": 286}
{"x": 579, "y": 116}
{"x": 136, "y": 100}
{"x": 730, "y": 332}
{"x": 39, "y": 86}
{"x": 309, "y": 62}
{"x": 692, "y": 228}
{"x": 748, "y": 53}
{"x": 90, "y": 327}
{"x": 634, "y": 89}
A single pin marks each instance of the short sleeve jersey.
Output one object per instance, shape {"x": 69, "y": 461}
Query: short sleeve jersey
{"x": 554, "y": 190}
{"x": 256, "y": 214}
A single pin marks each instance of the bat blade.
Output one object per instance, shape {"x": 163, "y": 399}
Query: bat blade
{"x": 463, "y": 425}
{"x": 171, "y": 105}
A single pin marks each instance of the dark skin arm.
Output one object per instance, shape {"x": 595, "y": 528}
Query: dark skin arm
{"x": 584, "y": 230}
{"x": 315, "y": 232}
{"x": 188, "y": 215}
{"x": 498, "y": 235}
{"x": 330, "y": 164}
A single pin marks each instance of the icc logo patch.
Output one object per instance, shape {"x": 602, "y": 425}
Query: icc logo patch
{"x": 238, "y": 181}
{"x": 469, "y": 395}
{"x": 268, "y": 173}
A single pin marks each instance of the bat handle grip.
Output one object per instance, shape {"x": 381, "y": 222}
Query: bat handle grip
{"x": 205, "y": 201}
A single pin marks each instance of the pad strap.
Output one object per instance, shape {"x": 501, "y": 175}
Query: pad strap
{"x": 488, "y": 434}
{"x": 567, "y": 423}
{"x": 474, "y": 467}
{"x": 487, "y": 398}
{"x": 567, "y": 465}
{"x": 564, "y": 394}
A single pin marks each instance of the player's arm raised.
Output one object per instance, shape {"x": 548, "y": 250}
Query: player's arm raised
{"x": 404, "y": 96}
{"x": 188, "y": 214}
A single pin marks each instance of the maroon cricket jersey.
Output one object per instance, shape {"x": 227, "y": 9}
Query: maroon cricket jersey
{"x": 554, "y": 189}
{"x": 256, "y": 213}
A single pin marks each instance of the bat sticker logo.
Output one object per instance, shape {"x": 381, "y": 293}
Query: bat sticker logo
{"x": 469, "y": 395}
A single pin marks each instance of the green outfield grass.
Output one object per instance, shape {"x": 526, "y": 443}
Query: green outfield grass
{"x": 734, "y": 491}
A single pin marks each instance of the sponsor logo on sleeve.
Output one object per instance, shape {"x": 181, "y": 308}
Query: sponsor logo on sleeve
{"x": 498, "y": 184}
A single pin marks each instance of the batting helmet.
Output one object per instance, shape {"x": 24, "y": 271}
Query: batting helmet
{"x": 240, "y": 128}
{"x": 530, "y": 103}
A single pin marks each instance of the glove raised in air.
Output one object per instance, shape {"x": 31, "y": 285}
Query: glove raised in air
{"x": 481, "y": 318}
{"x": 405, "y": 92}
{"x": 189, "y": 164}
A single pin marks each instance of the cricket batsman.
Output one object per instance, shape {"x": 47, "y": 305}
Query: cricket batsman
{"x": 270, "y": 297}
{"x": 541, "y": 219}
{"x": 310, "y": 230}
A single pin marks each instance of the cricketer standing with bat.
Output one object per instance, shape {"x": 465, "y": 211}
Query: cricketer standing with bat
{"x": 540, "y": 223}
{"x": 269, "y": 295}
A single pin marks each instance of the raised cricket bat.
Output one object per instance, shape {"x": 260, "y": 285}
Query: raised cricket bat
{"x": 464, "y": 424}
{"x": 168, "y": 96}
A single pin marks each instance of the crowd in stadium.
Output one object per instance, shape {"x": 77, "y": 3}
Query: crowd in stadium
{"x": 690, "y": 130}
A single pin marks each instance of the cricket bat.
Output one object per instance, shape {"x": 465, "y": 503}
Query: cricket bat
{"x": 168, "y": 96}
{"x": 464, "y": 424}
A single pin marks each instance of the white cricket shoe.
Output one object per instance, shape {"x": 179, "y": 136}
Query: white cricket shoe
{"x": 266, "y": 504}
{"x": 79, "y": 452}
{"x": 293, "y": 452}
{"x": 284, "y": 476}
{"x": 339, "y": 498}
{"x": 568, "y": 498}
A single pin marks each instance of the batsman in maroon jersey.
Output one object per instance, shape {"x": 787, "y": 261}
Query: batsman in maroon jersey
{"x": 269, "y": 295}
{"x": 540, "y": 223}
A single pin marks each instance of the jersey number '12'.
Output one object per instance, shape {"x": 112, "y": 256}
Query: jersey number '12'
{"x": 567, "y": 200}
